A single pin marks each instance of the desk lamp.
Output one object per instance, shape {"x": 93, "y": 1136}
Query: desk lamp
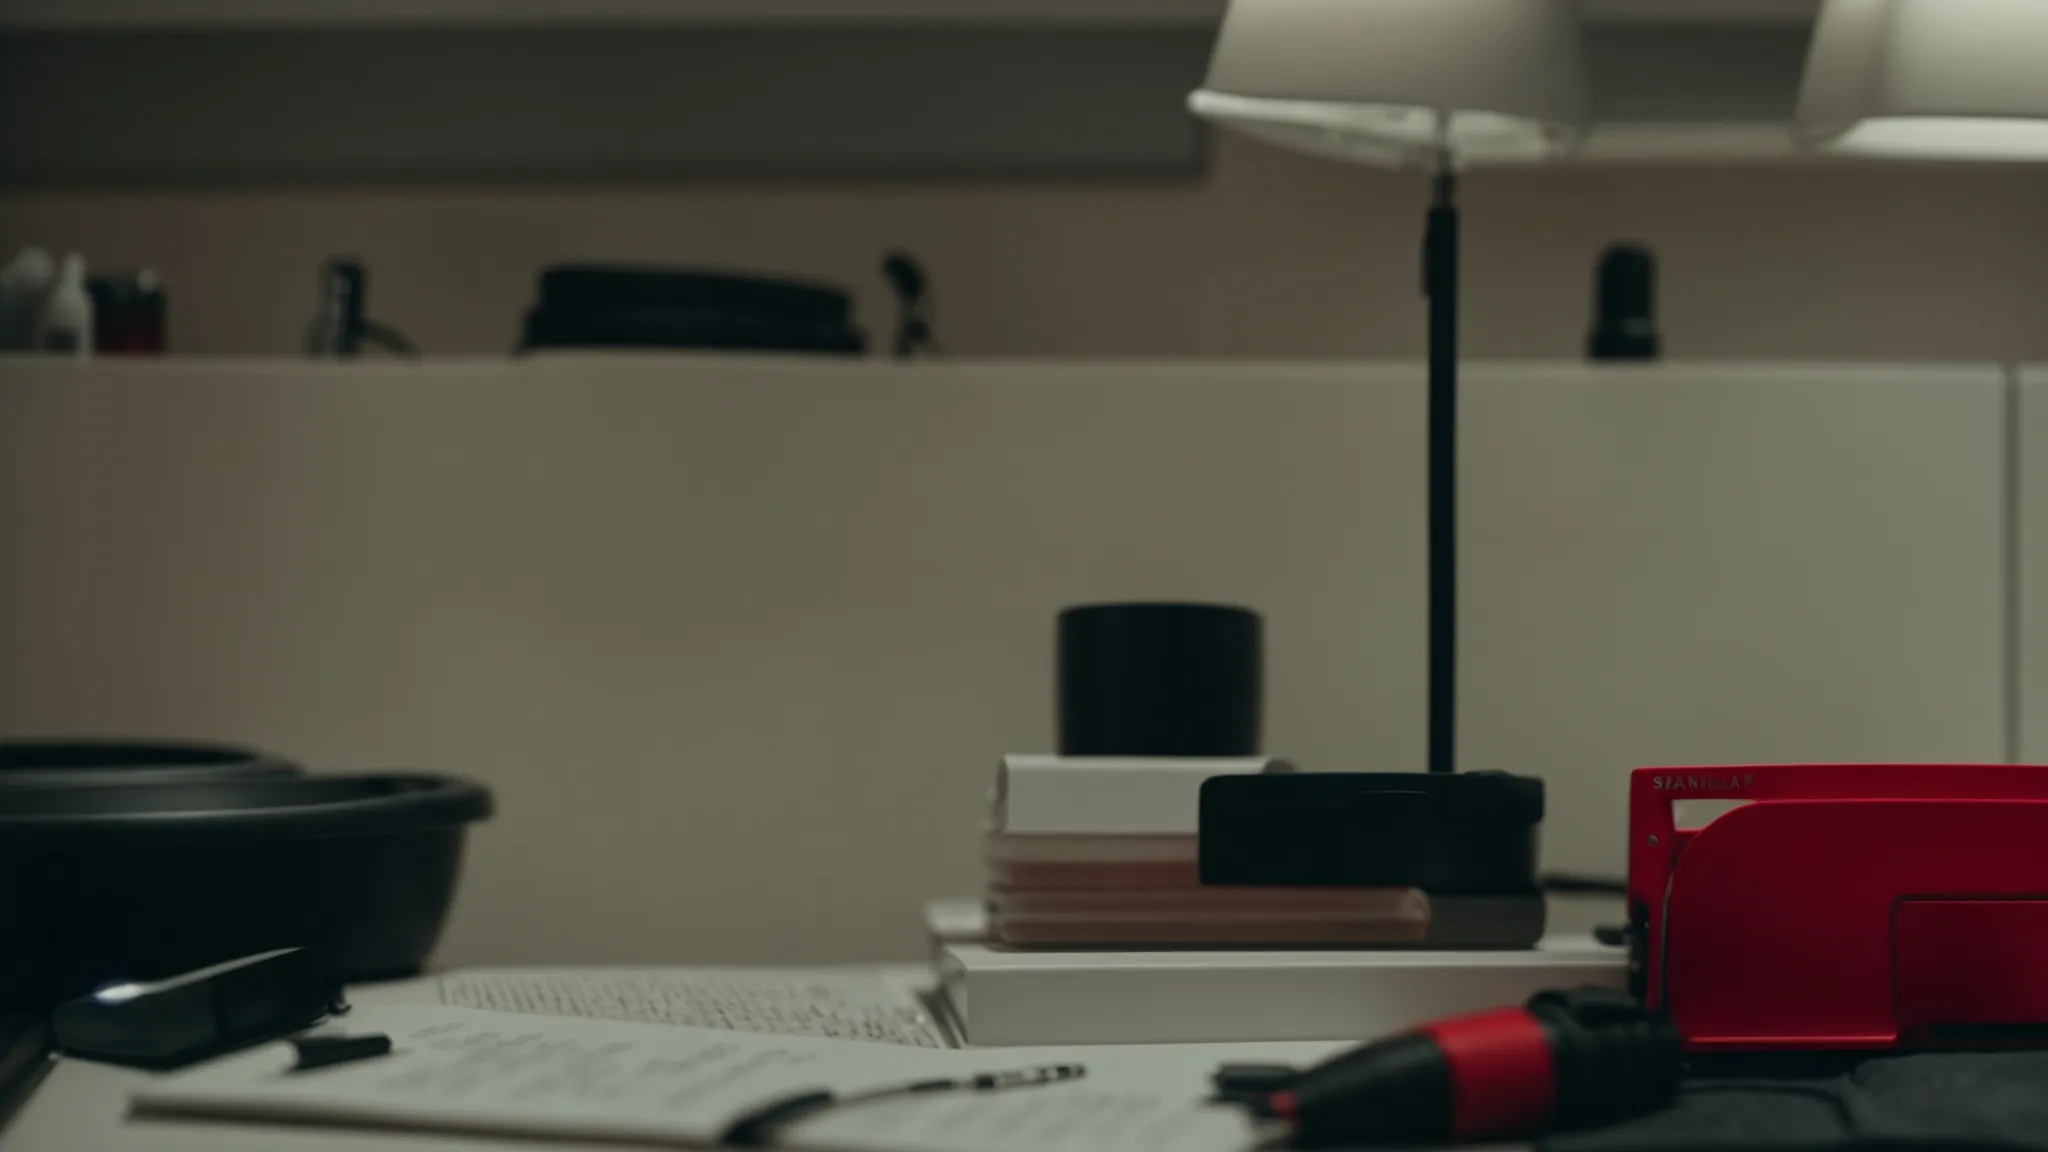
{"x": 1433, "y": 85}
{"x": 1929, "y": 80}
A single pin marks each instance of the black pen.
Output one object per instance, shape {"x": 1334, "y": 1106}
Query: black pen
{"x": 326, "y": 1051}
{"x": 759, "y": 1128}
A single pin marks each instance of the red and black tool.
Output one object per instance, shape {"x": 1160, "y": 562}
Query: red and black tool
{"x": 1564, "y": 1060}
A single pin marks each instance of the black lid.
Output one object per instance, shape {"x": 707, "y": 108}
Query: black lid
{"x": 1159, "y": 680}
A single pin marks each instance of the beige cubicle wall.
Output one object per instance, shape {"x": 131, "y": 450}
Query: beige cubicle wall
{"x": 737, "y": 642}
{"x": 2029, "y": 606}
{"x": 1696, "y": 565}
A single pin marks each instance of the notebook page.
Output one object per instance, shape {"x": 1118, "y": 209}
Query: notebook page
{"x": 455, "y": 1070}
{"x": 831, "y": 1003}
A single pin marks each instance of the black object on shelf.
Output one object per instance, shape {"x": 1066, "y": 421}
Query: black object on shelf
{"x": 1159, "y": 680}
{"x": 60, "y": 763}
{"x": 599, "y": 306}
{"x": 1625, "y": 306}
{"x": 127, "y": 314}
{"x": 136, "y": 882}
{"x": 913, "y": 304}
{"x": 342, "y": 326}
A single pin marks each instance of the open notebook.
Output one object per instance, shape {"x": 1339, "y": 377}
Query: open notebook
{"x": 467, "y": 1071}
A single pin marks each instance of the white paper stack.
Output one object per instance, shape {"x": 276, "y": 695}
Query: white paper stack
{"x": 1108, "y": 796}
{"x": 1000, "y": 996}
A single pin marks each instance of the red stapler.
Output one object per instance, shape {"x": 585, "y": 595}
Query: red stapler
{"x": 1843, "y": 907}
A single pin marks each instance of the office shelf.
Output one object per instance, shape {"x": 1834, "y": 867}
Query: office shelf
{"x": 141, "y": 14}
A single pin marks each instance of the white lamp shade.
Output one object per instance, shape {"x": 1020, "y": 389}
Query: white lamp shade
{"x": 1397, "y": 81}
{"x": 1936, "y": 79}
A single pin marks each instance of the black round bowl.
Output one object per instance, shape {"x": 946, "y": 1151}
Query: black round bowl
{"x": 139, "y": 882}
{"x": 47, "y": 763}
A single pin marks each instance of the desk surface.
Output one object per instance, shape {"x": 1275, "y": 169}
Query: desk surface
{"x": 81, "y": 1106}
{"x": 85, "y": 1106}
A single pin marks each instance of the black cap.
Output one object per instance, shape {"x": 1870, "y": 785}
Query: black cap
{"x": 1159, "y": 680}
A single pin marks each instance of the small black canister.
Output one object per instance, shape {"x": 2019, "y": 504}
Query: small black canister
{"x": 1159, "y": 680}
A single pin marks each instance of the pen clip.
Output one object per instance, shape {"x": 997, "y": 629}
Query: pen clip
{"x": 324, "y": 1051}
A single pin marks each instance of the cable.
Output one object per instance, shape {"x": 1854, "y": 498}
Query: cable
{"x": 1572, "y": 884}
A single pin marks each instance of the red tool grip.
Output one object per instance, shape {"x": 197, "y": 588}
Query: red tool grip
{"x": 1503, "y": 1080}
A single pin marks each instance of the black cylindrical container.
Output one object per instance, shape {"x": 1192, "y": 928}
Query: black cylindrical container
{"x": 1159, "y": 680}
{"x": 60, "y": 763}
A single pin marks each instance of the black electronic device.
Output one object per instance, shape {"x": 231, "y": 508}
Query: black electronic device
{"x": 191, "y": 1016}
{"x": 1471, "y": 833}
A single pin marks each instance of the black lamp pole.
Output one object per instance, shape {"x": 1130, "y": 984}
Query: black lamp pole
{"x": 1440, "y": 284}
